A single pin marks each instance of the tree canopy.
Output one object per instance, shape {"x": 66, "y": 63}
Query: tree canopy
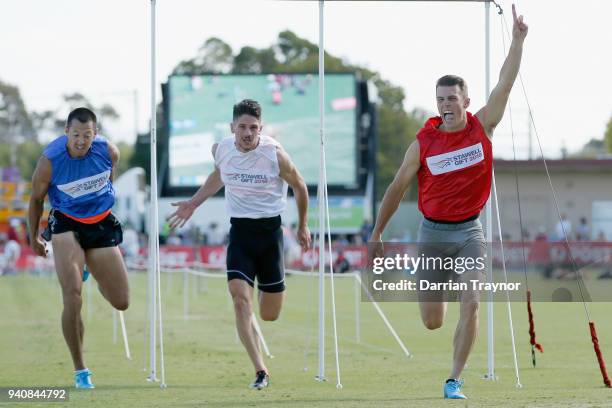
{"x": 293, "y": 54}
{"x": 608, "y": 135}
{"x": 20, "y": 129}
{"x": 15, "y": 122}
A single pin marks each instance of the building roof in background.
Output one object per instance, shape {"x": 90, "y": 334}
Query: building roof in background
{"x": 562, "y": 165}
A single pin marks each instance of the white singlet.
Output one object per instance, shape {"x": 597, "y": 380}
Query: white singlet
{"x": 253, "y": 187}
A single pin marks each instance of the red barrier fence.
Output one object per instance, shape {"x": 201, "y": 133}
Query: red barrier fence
{"x": 535, "y": 253}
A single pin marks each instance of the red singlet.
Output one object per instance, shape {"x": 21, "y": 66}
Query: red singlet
{"x": 456, "y": 170}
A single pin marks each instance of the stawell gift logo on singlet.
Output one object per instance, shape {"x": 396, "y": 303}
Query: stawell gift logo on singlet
{"x": 248, "y": 178}
{"x": 85, "y": 185}
{"x": 456, "y": 160}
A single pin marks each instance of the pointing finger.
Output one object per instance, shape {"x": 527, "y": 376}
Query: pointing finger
{"x": 514, "y": 13}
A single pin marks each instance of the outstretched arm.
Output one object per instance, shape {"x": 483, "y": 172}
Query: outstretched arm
{"x": 493, "y": 111}
{"x": 40, "y": 185}
{"x": 186, "y": 208}
{"x": 292, "y": 176}
{"x": 397, "y": 189}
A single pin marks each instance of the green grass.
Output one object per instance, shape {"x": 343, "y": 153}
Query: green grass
{"x": 206, "y": 366}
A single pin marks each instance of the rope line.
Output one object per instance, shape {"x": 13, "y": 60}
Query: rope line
{"x": 532, "y": 335}
{"x": 576, "y": 270}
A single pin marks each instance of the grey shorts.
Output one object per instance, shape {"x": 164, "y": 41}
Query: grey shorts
{"x": 452, "y": 253}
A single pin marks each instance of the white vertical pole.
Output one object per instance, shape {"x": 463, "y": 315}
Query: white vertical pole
{"x": 185, "y": 294}
{"x": 508, "y": 306}
{"x": 331, "y": 277}
{"x": 489, "y": 216}
{"x": 321, "y": 372}
{"x": 126, "y": 345}
{"x": 159, "y": 317}
{"x": 153, "y": 215}
{"x": 357, "y": 309}
{"x": 259, "y": 333}
{"x": 155, "y": 236}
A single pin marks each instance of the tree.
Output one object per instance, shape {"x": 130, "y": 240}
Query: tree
{"x": 25, "y": 154}
{"x": 397, "y": 129}
{"x": 591, "y": 149}
{"x": 74, "y": 100}
{"x": 608, "y": 135}
{"x": 213, "y": 57}
{"x": 141, "y": 155}
{"x": 46, "y": 121}
{"x": 15, "y": 122}
{"x": 294, "y": 49}
{"x": 253, "y": 61}
{"x": 125, "y": 153}
{"x": 28, "y": 153}
{"x": 19, "y": 129}
{"x": 5, "y": 155}
{"x": 292, "y": 54}
{"x": 53, "y": 122}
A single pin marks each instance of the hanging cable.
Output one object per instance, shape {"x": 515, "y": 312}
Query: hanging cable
{"x": 509, "y": 308}
{"x": 314, "y": 287}
{"x": 532, "y": 336}
{"x": 500, "y": 11}
{"x": 323, "y": 190}
{"x": 331, "y": 279}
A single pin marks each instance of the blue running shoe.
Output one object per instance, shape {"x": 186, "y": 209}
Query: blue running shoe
{"x": 82, "y": 379}
{"x": 452, "y": 389}
{"x": 85, "y": 273}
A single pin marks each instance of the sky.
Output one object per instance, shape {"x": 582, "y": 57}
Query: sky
{"x": 101, "y": 48}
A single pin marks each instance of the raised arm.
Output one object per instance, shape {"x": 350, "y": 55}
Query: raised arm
{"x": 292, "y": 176}
{"x": 491, "y": 114}
{"x": 40, "y": 185}
{"x": 397, "y": 189}
{"x": 186, "y": 208}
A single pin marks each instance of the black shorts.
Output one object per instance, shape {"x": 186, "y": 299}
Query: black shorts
{"x": 255, "y": 250}
{"x": 102, "y": 234}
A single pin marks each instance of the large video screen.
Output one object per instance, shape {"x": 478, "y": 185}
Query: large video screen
{"x": 200, "y": 112}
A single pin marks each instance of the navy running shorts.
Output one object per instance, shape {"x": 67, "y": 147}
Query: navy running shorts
{"x": 255, "y": 252}
{"x": 102, "y": 234}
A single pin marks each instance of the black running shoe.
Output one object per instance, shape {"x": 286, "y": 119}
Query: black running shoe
{"x": 262, "y": 380}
